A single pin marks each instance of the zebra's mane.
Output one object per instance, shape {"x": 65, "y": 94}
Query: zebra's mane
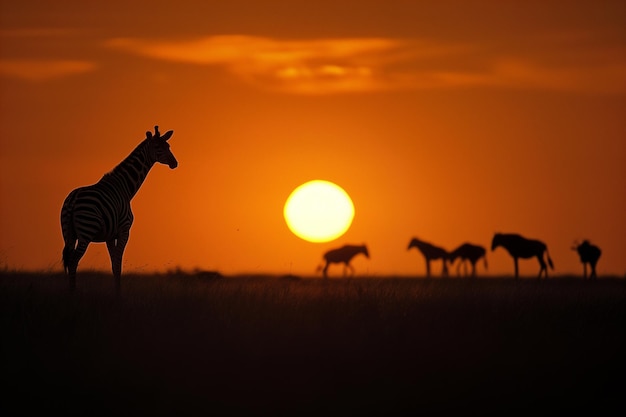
{"x": 117, "y": 168}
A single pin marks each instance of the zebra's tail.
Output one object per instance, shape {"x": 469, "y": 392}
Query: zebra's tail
{"x": 67, "y": 228}
{"x": 485, "y": 261}
{"x": 549, "y": 260}
{"x": 67, "y": 254}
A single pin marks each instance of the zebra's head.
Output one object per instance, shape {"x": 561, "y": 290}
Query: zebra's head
{"x": 160, "y": 149}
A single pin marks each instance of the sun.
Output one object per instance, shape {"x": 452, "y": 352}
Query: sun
{"x": 319, "y": 211}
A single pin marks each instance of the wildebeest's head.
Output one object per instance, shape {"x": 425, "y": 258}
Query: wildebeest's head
{"x": 497, "y": 241}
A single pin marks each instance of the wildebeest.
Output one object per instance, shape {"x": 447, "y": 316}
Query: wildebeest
{"x": 520, "y": 247}
{"x": 468, "y": 252}
{"x": 589, "y": 254}
{"x": 430, "y": 253}
{"x": 343, "y": 255}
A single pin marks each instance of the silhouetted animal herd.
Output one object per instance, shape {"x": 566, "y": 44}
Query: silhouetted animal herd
{"x": 516, "y": 245}
{"x": 101, "y": 213}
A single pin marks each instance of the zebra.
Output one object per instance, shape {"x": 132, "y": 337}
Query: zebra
{"x": 589, "y": 254}
{"x": 520, "y": 247}
{"x": 431, "y": 252}
{"x": 468, "y": 252}
{"x": 101, "y": 212}
{"x": 343, "y": 255}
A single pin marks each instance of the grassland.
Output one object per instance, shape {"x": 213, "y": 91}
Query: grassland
{"x": 200, "y": 344}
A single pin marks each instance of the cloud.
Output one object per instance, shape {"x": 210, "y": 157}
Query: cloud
{"x": 607, "y": 78}
{"x": 316, "y": 66}
{"x": 44, "y": 69}
{"x": 342, "y": 65}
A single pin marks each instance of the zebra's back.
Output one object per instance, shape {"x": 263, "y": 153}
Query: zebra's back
{"x": 95, "y": 213}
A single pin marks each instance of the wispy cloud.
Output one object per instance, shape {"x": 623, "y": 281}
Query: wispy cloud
{"x": 44, "y": 69}
{"x": 327, "y": 66}
{"x": 317, "y": 66}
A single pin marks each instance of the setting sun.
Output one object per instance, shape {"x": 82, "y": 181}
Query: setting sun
{"x": 319, "y": 211}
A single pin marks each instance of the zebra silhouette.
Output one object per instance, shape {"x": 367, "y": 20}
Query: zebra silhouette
{"x": 101, "y": 212}
{"x": 589, "y": 254}
{"x": 520, "y": 247}
{"x": 431, "y": 253}
{"x": 468, "y": 252}
{"x": 343, "y": 255}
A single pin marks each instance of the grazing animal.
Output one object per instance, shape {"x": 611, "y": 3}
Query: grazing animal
{"x": 343, "y": 255}
{"x": 101, "y": 212}
{"x": 431, "y": 253}
{"x": 468, "y": 252}
{"x": 589, "y": 254}
{"x": 520, "y": 247}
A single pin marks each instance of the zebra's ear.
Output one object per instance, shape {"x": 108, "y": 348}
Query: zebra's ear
{"x": 148, "y": 135}
{"x": 167, "y": 135}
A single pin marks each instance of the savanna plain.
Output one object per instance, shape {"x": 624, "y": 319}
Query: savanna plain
{"x": 204, "y": 344}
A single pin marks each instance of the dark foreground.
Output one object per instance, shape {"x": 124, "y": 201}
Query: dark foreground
{"x": 200, "y": 345}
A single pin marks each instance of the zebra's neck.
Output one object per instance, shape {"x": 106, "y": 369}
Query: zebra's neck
{"x": 130, "y": 174}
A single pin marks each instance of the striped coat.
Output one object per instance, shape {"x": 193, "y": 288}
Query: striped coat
{"x": 102, "y": 213}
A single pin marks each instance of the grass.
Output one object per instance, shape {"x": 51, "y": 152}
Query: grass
{"x": 201, "y": 344}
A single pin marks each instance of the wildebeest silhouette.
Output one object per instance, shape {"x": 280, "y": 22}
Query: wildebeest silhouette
{"x": 101, "y": 212}
{"x": 430, "y": 253}
{"x": 468, "y": 252}
{"x": 519, "y": 247}
{"x": 343, "y": 255}
{"x": 589, "y": 254}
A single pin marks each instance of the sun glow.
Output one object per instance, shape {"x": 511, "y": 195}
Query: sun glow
{"x": 319, "y": 211}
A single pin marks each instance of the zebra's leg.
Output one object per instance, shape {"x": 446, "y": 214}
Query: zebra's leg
{"x": 116, "y": 252}
{"x": 427, "y": 268}
{"x": 444, "y": 272}
{"x": 585, "y": 270}
{"x": 75, "y": 257}
{"x": 516, "y": 268}
{"x": 112, "y": 248}
{"x": 473, "y": 269}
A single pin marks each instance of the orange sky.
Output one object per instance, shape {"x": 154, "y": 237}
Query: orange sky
{"x": 444, "y": 120}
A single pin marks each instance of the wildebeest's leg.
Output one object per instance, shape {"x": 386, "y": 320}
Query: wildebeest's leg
{"x": 585, "y": 270}
{"x": 516, "y": 267}
{"x": 444, "y": 272}
{"x": 542, "y": 264}
{"x": 593, "y": 270}
{"x": 325, "y": 270}
{"x": 473, "y": 268}
{"x": 427, "y": 268}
